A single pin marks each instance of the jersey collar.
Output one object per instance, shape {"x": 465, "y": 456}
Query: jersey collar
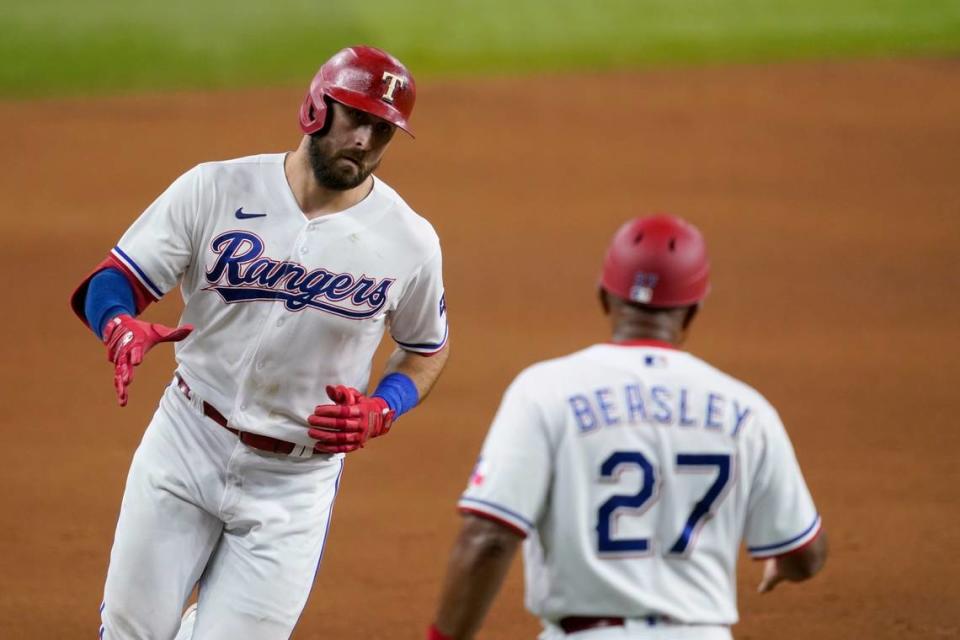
{"x": 643, "y": 343}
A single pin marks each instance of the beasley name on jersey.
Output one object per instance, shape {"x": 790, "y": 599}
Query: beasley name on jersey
{"x": 633, "y": 403}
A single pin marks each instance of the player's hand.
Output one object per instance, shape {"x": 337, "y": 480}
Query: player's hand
{"x": 350, "y": 421}
{"x": 128, "y": 340}
{"x": 771, "y": 576}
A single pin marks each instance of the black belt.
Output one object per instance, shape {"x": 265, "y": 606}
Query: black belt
{"x": 255, "y": 440}
{"x": 576, "y": 624}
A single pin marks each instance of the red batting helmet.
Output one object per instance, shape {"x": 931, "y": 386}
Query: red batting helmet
{"x": 658, "y": 261}
{"x": 364, "y": 78}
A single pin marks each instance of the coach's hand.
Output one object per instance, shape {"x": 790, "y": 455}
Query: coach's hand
{"x": 347, "y": 424}
{"x": 128, "y": 340}
{"x": 771, "y": 576}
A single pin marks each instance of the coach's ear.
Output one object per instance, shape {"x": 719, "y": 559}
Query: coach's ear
{"x": 691, "y": 314}
{"x": 604, "y": 300}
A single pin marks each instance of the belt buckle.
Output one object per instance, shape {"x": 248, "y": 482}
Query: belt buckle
{"x": 195, "y": 401}
{"x": 182, "y": 385}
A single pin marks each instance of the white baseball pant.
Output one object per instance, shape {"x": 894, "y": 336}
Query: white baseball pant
{"x": 201, "y": 507}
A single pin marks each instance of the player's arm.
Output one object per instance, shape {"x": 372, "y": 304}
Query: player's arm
{"x": 419, "y": 327}
{"x": 796, "y": 566}
{"x": 110, "y": 303}
{"x": 423, "y": 370}
{"x": 147, "y": 261}
{"x": 478, "y": 564}
{"x": 505, "y": 497}
{"x": 783, "y": 527}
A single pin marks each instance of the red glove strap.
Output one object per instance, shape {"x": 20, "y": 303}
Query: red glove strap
{"x": 435, "y": 634}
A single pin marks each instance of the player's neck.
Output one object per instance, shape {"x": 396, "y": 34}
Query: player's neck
{"x": 314, "y": 199}
{"x": 632, "y": 333}
{"x": 630, "y": 322}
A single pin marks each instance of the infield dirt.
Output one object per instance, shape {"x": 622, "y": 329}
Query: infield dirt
{"x": 829, "y": 195}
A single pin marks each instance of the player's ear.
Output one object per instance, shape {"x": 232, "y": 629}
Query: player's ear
{"x": 604, "y": 301}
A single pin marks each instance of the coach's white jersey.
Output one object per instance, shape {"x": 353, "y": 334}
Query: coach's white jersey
{"x": 635, "y": 470}
{"x": 282, "y": 305}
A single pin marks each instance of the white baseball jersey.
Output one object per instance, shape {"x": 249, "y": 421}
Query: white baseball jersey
{"x": 635, "y": 470}
{"x": 282, "y": 305}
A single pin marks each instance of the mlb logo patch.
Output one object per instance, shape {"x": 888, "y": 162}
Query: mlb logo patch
{"x": 643, "y": 285}
{"x": 655, "y": 361}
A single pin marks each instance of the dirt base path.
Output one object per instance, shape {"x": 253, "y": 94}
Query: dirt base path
{"x": 831, "y": 200}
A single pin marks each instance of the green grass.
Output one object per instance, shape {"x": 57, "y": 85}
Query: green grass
{"x": 54, "y": 47}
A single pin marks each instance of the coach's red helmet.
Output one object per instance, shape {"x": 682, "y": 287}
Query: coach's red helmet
{"x": 658, "y": 261}
{"x": 364, "y": 78}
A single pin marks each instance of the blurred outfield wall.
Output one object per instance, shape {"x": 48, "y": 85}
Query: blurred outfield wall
{"x": 55, "y": 47}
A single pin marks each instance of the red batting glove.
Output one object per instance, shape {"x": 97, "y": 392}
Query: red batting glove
{"x": 347, "y": 424}
{"x": 128, "y": 340}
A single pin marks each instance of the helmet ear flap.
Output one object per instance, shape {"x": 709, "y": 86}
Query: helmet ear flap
{"x": 313, "y": 116}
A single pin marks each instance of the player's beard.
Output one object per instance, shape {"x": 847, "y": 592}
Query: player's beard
{"x": 328, "y": 175}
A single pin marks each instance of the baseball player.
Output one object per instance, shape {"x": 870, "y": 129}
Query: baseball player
{"x": 632, "y": 469}
{"x": 291, "y": 266}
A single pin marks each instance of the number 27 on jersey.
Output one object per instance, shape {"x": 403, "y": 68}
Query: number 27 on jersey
{"x": 649, "y": 493}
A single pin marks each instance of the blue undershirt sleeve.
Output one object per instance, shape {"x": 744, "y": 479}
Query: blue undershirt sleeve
{"x": 109, "y": 294}
{"x": 399, "y": 391}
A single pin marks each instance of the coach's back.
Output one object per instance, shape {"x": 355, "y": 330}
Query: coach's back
{"x": 636, "y": 469}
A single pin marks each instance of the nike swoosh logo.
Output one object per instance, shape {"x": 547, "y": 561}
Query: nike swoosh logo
{"x": 244, "y": 216}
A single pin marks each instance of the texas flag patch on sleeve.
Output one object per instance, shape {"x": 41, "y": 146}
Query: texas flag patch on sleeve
{"x": 479, "y": 473}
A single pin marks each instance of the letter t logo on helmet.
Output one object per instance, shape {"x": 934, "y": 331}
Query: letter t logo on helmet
{"x": 659, "y": 261}
{"x": 392, "y": 82}
{"x": 363, "y": 78}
